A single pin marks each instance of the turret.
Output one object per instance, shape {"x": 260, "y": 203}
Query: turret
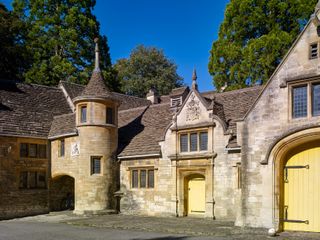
{"x": 97, "y": 124}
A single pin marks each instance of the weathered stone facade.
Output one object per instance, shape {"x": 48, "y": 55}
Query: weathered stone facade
{"x": 214, "y": 155}
{"x": 17, "y": 200}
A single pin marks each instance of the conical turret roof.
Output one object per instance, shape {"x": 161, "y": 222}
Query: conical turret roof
{"x": 96, "y": 87}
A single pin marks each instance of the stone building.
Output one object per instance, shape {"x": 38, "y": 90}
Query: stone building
{"x": 250, "y": 156}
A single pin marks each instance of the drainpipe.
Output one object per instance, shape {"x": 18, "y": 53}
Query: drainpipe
{"x": 212, "y": 164}
{"x": 177, "y": 201}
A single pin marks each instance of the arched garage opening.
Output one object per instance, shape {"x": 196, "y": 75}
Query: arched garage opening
{"x": 296, "y": 168}
{"x": 62, "y": 193}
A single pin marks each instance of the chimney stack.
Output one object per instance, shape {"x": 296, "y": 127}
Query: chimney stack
{"x": 152, "y": 96}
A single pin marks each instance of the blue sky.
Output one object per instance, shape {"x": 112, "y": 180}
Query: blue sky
{"x": 184, "y": 29}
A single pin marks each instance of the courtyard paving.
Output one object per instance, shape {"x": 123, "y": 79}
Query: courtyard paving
{"x": 140, "y": 227}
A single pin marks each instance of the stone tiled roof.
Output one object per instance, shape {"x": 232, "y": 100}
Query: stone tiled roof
{"x": 28, "y": 109}
{"x": 126, "y": 101}
{"x": 96, "y": 87}
{"x": 233, "y": 105}
{"x": 141, "y": 129}
{"x": 63, "y": 125}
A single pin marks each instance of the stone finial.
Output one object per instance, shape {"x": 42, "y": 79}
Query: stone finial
{"x": 194, "y": 80}
{"x": 97, "y": 56}
{"x": 317, "y": 6}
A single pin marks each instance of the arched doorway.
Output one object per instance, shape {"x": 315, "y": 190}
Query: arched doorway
{"x": 62, "y": 193}
{"x": 301, "y": 188}
{"x": 195, "y": 190}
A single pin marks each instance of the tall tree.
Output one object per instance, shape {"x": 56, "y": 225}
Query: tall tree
{"x": 13, "y": 54}
{"x": 146, "y": 68}
{"x": 60, "y": 40}
{"x": 253, "y": 38}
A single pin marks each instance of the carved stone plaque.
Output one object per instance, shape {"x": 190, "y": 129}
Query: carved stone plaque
{"x": 193, "y": 109}
{"x": 75, "y": 149}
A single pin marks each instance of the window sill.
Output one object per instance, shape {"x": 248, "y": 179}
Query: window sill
{"x": 192, "y": 155}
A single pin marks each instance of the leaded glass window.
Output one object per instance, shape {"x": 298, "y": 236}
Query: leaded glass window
{"x": 143, "y": 178}
{"x": 42, "y": 151}
{"x": 134, "y": 179}
{"x": 299, "y": 101}
{"x": 83, "y": 114}
{"x": 316, "y": 99}
{"x": 23, "y": 150}
{"x": 150, "y": 178}
{"x": 33, "y": 150}
{"x": 62, "y": 148}
{"x": 95, "y": 165}
{"x": 193, "y": 142}
{"x": 203, "y": 141}
{"x": 184, "y": 143}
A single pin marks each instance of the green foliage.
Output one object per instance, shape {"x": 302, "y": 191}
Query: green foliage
{"x": 146, "y": 68}
{"x": 14, "y": 59}
{"x": 253, "y": 38}
{"x": 60, "y": 40}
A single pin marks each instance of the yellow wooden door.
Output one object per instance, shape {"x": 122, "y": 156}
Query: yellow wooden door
{"x": 196, "y": 196}
{"x": 302, "y": 191}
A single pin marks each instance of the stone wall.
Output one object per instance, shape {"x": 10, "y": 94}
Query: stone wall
{"x": 270, "y": 119}
{"x": 16, "y": 202}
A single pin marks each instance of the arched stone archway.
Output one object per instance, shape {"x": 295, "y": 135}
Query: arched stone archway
{"x": 282, "y": 150}
{"x": 62, "y": 193}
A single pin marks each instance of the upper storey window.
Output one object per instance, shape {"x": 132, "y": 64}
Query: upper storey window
{"x": 30, "y": 150}
{"x": 316, "y": 99}
{"x": 194, "y": 141}
{"x": 83, "y": 114}
{"x": 300, "y": 101}
{"x": 109, "y": 116}
{"x": 313, "y": 51}
{"x": 306, "y": 100}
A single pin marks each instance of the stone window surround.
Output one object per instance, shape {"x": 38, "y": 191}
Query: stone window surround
{"x": 92, "y": 173}
{"x": 28, "y": 175}
{"x": 80, "y": 107}
{"x": 147, "y": 168}
{"x": 310, "y": 50}
{"x": 61, "y": 147}
{"x": 189, "y": 132}
{"x": 309, "y": 98}
{"x": 37, "y": 150}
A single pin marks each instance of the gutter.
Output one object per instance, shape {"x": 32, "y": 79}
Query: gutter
{"x": 139, "y": 156}
{"x": 63, "y": 135}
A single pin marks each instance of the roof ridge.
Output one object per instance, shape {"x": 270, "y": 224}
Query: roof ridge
{"x": 82, "y": 85}
{"x": 235, "y": 90}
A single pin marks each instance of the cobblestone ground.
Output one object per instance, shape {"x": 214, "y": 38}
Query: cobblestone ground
{"x": 185, "y": 226}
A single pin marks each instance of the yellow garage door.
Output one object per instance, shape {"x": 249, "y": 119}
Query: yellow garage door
{"x": 301, "y": 191}
{"x": 196, "y": 198}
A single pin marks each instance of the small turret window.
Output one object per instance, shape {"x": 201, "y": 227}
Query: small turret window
{"x": 83, "y": 114}
{"x": 109, "y": 116}
{"x": 61, "y": 148}
{"x": 95, "y": 165}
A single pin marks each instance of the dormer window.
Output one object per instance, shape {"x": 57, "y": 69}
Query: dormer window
{"x": 83, "y": 114}
{"x": 176, "y": 102}
{"x": 313, "y": 51}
